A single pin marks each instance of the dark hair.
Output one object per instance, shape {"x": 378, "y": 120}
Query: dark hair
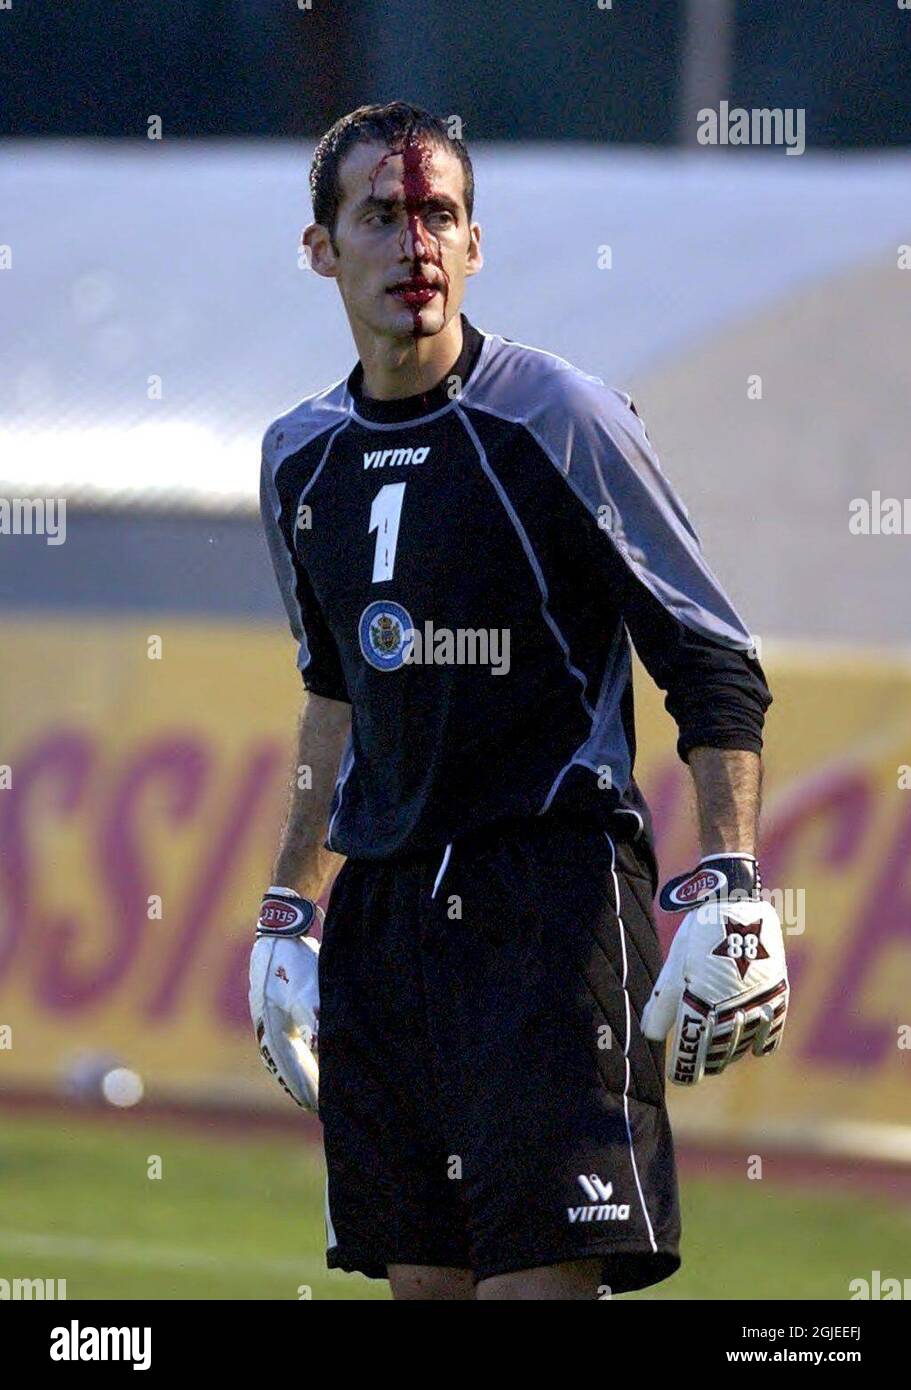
{"x": 387, "y": 125}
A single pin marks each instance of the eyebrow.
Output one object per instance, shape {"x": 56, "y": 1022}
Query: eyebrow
{"x": 436, "y": 202}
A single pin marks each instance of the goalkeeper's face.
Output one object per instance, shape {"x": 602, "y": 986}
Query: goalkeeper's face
{"x": 403, "y": 244}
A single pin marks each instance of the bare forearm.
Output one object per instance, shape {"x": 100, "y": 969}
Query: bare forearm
{"x": 728, "y": 793}
{"x": 302, "y": 863}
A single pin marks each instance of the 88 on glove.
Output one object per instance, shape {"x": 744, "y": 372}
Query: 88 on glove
{"x": 723, "y": 990}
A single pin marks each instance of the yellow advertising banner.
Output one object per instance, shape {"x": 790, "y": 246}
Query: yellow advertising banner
{"x": 141, "y": 793}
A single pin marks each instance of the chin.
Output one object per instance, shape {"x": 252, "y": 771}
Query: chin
{"x": 428, "y": 326}
{"x": 401, "y": 321}
{"x": 432, "y": 320}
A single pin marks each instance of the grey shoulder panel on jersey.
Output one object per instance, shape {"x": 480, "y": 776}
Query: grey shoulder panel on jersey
{"x": 594, "y": 437}
{"x": 313, "y": 416}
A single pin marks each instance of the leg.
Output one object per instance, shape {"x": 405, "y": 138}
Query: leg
{"x": 390, "y": 1201}
{"x": 430, "y": 1282}
{"x": 574, "y": 1280}
{"x": 552, "y": 1099}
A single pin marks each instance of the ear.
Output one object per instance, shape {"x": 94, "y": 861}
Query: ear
{"x": 316, "y": 244}
{"x": 475, "y": 257}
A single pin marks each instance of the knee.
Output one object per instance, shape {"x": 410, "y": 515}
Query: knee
{"x": 430, "y": 1282}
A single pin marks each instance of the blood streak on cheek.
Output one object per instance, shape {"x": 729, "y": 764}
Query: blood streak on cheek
{"x": 417, "y": 190}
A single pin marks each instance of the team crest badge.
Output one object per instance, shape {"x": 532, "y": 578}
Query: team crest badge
{"x": 385, "y": 634}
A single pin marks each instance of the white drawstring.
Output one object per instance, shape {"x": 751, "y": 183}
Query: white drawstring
{"x": 442, "y": 869}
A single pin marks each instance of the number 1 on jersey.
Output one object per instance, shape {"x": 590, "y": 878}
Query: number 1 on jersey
{"x": 385, "y": 515}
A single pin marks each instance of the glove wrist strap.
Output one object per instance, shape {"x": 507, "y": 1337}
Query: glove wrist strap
{"x": 285, "y": 913}
{"x": 716, "y": 878}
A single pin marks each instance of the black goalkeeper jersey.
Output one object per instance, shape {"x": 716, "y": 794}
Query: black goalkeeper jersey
{"x": 466, "y": 568}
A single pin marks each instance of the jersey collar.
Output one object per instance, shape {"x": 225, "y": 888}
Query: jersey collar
{"x": 426, "y": 402}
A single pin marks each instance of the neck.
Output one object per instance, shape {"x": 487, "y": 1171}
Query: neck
{"x": 399, "y": 367}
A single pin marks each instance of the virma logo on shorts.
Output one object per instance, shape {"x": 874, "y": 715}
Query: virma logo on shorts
{"x": 599, "y": 1206}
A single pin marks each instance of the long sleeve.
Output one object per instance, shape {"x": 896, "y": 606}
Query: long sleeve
{"x": 317, "y": 656}
{"x": 685, "y": 629}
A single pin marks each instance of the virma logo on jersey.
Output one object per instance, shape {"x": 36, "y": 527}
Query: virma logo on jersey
{"x": 394, "y": 458}
{"x": 599, "y": 1206}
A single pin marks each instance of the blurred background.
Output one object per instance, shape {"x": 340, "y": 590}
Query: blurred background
{"x": 156, "y": 316}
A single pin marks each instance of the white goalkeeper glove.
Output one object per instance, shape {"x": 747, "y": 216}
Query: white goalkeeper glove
{"x": 284, "y": 993}
{"x": 724, "y": 986}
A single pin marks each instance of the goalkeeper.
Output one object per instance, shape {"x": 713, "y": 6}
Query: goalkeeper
{"x": 468, "y": 534}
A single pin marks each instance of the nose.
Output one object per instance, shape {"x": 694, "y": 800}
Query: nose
{"x": 415, "y": 241}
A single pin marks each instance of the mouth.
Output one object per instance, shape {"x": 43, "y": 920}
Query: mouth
{"x": 415, "y": 291}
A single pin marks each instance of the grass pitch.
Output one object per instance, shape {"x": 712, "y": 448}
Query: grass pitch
{"x": 237, "y": 1218}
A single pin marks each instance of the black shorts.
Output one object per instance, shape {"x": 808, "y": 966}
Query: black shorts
{"x": 488, "y": 1099}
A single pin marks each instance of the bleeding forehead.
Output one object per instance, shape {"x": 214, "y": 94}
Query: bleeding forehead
{"x": 416, "y": 170}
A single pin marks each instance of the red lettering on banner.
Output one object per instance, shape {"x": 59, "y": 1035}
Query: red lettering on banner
{"x": 841, "y": 1035}
{"x": 167, "y": 780}
{"x": 841, "y": 801}
{"x": 206, "y": 904}
{"x": 51, "y": 778}
{"x": 173, "y": 773}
